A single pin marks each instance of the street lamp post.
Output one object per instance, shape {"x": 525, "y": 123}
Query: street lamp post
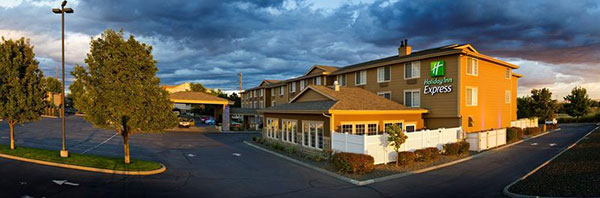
{"x": 62, "y": 11}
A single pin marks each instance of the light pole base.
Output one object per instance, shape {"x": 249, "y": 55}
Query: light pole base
{"x": 64, "y": 153}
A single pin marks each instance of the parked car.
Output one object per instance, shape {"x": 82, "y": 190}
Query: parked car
{"x": 204, "y": 118}
{"x": 210, "y": 121}
{"x": 551, "y": 122}
{"x": 186, "y": 122}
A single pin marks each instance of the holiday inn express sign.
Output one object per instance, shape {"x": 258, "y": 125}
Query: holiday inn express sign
{"x": 437, "y": 85}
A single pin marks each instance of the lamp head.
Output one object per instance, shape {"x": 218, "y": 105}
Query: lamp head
{"x": 68, "y": 10}
{"x": 64, "y": 3}
{"x": 56, "y": 10}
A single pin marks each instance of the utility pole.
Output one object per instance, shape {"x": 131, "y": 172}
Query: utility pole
{"x": 241, "y": 83}
{"x": 62, "y": 11}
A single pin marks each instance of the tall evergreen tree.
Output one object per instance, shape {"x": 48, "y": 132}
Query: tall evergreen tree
{"x": 22, "y": 95}
{"x": 119, "y": 89}
{"x": 578, "y": 102}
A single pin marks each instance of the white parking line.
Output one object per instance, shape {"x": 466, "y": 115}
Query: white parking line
{"x": 101, "y": 143}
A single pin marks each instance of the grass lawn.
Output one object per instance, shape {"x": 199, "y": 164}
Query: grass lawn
{"x": 575, "y": 173}
{"x": 93, "y": 161}
{"x": 380, "y": 170}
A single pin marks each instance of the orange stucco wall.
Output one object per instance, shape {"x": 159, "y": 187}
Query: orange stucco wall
{"x": 491, "y": 111}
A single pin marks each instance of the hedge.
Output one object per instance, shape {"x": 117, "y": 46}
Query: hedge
{"x": 532, "y": 131}
{"x": 406, "y": 158}
{"x": 353, "y": 163}
{"x": 514, "y": 134}
{"x": 456, "y": 148}
{"x": 427, "y": 154}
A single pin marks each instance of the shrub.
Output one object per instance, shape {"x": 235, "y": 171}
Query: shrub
{"x": 463, "y": 147}
{"x": 327, "y": 153}
{"x": 353, "y": 163}
{"x": 532, "y": 131}
{"x": 254, "y": 139}
{"x": 423, "y": 155}
{"x": 451, "y": 148}
{"x": 435, "y": 152}
{"x": 291, "y": 149}
{"x": 514, "y": 134}
{"x": 406, "y": 158}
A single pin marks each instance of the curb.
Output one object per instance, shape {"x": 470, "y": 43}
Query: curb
{"x": 369, "y": 181}
{"x": 399, "y": 175}
{"x": 506, "y": 191}
{"x": 84, "y": 168}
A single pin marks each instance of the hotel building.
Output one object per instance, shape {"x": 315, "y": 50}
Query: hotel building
{"x": 443, "y": 87}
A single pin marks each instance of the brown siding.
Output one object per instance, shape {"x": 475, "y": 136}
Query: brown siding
{"x": 310, "y": 95}
{"x": 441, "y": 106}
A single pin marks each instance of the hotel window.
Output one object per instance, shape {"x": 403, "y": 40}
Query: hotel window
{"x": 347, "y": 128}
{"x": 372, "y": 129}
{"x": 386, "y": 94}
{"x": 272, "y": 127}
{"x": 412, "y": 70}
{"x": 410, "y": 128}
{"x": 471, "y": 96}
{"x": 472, "y": 66}
{"x": 384, "y": 74}
{"x": 261, "y": 104}
{"x": 302, "y": 85}
{"x": 507, "y": 73}
{"x": 412, "y": 98}
{"x": 273, "y": 103}
{"x": 317, "y": 80}
{"x": 361, "y": 77}
{"x": 507, "y": 97}
{"x": 312, "y": 134}
{"x": 281, "y": 90}
{"x": 389, "y": 123}
{"x": 289, "y": 130}
{"x": 272, "y": 91}
{"x": 341, "y": 79}
{"x": 255, "y": 93}
{"x": 260, "y": 92}
{"x": 293, "y": 87}
{"x": 359, "y": 129}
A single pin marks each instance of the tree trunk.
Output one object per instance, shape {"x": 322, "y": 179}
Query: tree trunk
{"x": 126, "y": 147}
{"x": 397, "y": 158}
{"x": 11, "y": 125}
{"x": 544, "y": 127}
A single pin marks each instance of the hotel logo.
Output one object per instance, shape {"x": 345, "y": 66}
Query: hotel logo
{"x": 437, "y": 68}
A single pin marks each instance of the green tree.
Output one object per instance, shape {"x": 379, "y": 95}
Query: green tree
{"x": 52, "y": 85}
{"x": 578, "y": 102}
{"x": 119, "y": 89}
{"x": 197, "y": 87}
{"x": 525, "y": 107}
{"x": 543, "y": 105}
{"x": 22, "y": 95}
{"x": 396, "y": 138}
{"x": 237, "y": 101}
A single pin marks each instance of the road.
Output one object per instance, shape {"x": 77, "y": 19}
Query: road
{"x": 213, "y": 171}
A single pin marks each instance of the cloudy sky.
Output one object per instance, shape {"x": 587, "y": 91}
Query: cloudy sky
{"x": 556, "y": 43}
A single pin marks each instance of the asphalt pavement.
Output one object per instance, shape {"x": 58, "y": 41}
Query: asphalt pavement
{"x": 221, "y": 165}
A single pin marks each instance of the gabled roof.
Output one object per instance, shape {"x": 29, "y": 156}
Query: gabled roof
{"x": 433, "y": 52}
{"x": 354, "y": 99}
{"x": 326, "y": 69}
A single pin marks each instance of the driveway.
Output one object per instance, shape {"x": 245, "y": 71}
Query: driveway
{"x": 203, "y": 165}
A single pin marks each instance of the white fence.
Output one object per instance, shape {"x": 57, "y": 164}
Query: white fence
{"x": 486, "y": 139}
{"x": 379, "y": 147}
{"x": 525, "y": 123}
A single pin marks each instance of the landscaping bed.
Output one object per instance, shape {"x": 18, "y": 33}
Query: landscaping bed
{"x": 92, "y": 161}
{"x": 575, "y": 173}
{"x": 325, "y": 161}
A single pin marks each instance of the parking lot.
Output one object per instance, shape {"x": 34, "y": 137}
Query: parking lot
{"x": 221, "y": 165}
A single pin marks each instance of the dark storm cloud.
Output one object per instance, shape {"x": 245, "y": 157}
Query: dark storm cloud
{"x": 212, "y": 41}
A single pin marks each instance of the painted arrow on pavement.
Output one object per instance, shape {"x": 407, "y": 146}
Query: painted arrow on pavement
{"x": 61, "y": 182}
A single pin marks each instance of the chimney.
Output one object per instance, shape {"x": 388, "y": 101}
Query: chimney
{"x": 336, "y": 85}
{"x": 404, "y": 49}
